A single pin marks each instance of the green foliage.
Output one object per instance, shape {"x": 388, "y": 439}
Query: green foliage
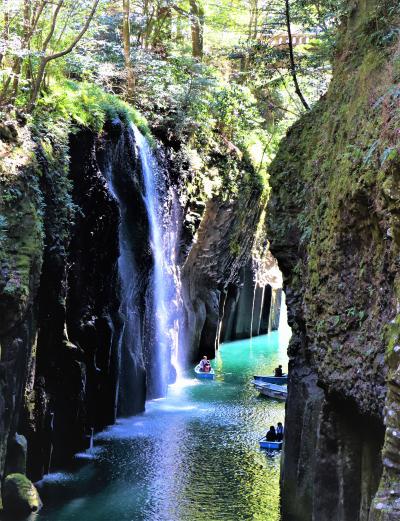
{"x": 335, "y": 188}
{"x": 86, "y": 105}
{"x": 236, "y": 99}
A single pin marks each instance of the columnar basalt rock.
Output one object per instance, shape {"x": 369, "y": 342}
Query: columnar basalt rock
{"x": 67, "y": 369}
{"x": 60, "y": 292}
{"x": 222, "y": 248}
{"x": 251, "y": 308}
{"x": 334, "y": 228}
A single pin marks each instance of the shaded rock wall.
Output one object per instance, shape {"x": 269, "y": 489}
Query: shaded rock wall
{"x": 250, "y": 309}
{"x": 61, "y": 354}
{"x": 220, "y": 203}
{"x": 211, "y": 272}
{"x": 334, "y": 228}
{"x": 68, "y": 361}
{"x": 21, "y": 262}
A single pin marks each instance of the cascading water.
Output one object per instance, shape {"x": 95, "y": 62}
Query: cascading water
{"x": 150, "y": 312}
{"x": 284, "y": 328}
{"x": 165, "y": 281}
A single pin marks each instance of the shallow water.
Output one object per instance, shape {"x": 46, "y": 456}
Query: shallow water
{"x": 192, "y": 456}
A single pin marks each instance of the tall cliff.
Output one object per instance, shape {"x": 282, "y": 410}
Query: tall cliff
{"x": 222, "y": 297}
{"x": 334, "y": 228}
{"x": 76, "y": 289}
{"x": 63, "y": 358}
{"x": 222, "y": 248}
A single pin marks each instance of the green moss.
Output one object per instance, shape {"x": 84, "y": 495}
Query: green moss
{"x": 22, "y": 231}
{"x": 235, "y": 248}
{"x": 69, "y": 107}
{"x": 20, "y": 497}
{"x": 392, "y": 335}
{"x": 334, "y": 220}
{"x": 339, "y": 141}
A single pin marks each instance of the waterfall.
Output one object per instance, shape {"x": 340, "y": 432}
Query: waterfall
{"x": 252, "y": 309}
{"x": 148, "y": 329}
{"x": 161, "y": 207}
{"x": 283, "y": 328}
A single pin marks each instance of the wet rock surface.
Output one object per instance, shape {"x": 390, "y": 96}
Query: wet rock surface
{"x": 59, "y": 289}
{"x": 213, "y": 266}
{"x": 17, "y": 455}
{"x": 66, "y": 368}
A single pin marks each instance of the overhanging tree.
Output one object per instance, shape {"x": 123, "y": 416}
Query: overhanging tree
{"x": 47, "y": 58}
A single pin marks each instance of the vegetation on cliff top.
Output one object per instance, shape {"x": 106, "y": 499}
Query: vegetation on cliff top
{"x": 212, "y": 80}
{"x": 204, "y": 75}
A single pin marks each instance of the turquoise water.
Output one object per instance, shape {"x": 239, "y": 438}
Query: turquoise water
{"x": 192, "y": 456}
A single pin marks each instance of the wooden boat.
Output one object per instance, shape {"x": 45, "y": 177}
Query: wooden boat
{"x": 279, "y": 392}
{"x": 271, "y": 445}
{"x": 203, "y": 374}
{"x": 278, "y": 380}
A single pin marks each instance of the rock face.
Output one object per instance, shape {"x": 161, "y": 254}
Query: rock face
{"x": 77, "y": 329}
{"x": 62, "y": 363}
{"x": 211, "y": 272}
{"x": 334, "y": 228}
{"x": 16, "y": 455}
{"x": 251, "y": 308}
{"x": 75, "y": 287}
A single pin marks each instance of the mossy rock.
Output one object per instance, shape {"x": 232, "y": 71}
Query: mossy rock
{"x": 20, "y": 497}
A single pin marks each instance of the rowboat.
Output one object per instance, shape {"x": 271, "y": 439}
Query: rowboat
{"x": 278, "y": 380}
{"x": 202, "y": 374}
{"x": 271, "y": 445}
{"x": 279, "y": 392}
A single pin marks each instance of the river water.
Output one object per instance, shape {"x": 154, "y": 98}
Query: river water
{"x": 192, "y": 456}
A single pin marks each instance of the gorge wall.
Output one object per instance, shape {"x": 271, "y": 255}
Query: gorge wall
{"x": 77, "y": 331}
{"x": 334, "y": 228}
{"x": 63, "y": 361}
{"x": 219, "y": 286}
{"x": 211, "y": 272}
{"x": 253, "y": 307}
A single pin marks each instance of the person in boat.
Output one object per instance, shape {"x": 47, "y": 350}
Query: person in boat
{"x": 271, "y": 434}
{"x": 204, "y": 365}
{"x": 278, "y": 371}
{"x": 279, "y": 432}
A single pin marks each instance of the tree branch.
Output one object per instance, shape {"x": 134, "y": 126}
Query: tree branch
{"x": 78, "y": 37}
{"x": 36, "y": 17}
{"x": 53, "y": 25}
{"x": 46, "y": 59}
{"x": 292, "y": 62}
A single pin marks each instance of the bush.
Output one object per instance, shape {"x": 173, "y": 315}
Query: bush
{"x": 85, "y": 105}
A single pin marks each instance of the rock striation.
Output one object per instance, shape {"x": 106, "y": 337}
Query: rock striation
{"x": 62, "y": 364}
{"x": 211, "y": 272}
{"x": 334, "y": 228}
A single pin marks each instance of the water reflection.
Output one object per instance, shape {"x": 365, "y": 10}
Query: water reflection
{"x": 190, "y": 457}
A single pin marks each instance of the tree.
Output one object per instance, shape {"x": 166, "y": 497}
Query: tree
{"x": 30, "y": 17}
{"x": 197, "y": 26}
{"x": 126, "y": 36}
{"x": 291, "y": 56}
{"x": 47, "y": 58}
